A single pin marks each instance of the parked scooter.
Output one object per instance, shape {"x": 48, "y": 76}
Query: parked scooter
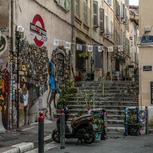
{"x": 81, "y": 128}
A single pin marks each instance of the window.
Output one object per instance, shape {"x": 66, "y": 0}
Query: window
{"x": 112, "y": 29}
{"x": 95, "y": 14}
{"x": 65, "y": 4}
{"x": 85, "y": 11}
{"x": 77, "y": 8}
{"x": 106, "y": 24}
{"x": 109, "y": 2}
{"x": 101, "y": 11}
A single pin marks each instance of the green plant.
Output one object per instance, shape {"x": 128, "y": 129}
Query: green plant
{"x": 134, "y": 126}
{"x": 99, "y": 123}
{"x": 88, "y": 97}
{"x": 68, "y": 90}
{"x": 84, "y": 54}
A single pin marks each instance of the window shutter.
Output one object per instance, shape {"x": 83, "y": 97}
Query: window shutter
{"x": 68, "y": 5}
{"x": 77, "y": 7}
{"x": 95, "y": 14}
{"x": 62, "y": 3}
{"x": 107, "y": 28}
{"x": 85, "y": 11}
{"x": 122, "y": 14}
{"x": 101, "y": 10}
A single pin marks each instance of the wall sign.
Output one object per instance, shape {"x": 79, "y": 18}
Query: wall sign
{"x": 147, "y": 68}
{"x": 147, "y": 39}
{"x": 38, "y": 28}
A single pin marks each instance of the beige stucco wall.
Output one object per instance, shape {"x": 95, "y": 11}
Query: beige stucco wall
{"x": 55, "y": 27}
{"x": 145, "y": 58}
{"x": 146, "y": 53}
{"x": 57, "y": 24}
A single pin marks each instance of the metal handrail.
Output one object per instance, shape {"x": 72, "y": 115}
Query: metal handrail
{"x": 102, "y": 83}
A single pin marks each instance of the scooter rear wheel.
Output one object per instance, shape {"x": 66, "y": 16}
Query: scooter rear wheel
{"x": 56, "y": 136}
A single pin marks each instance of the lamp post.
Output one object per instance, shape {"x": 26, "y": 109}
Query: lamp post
{"x": 19, "y": 36}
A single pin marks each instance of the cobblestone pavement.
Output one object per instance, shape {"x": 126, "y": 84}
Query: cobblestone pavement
{"x": 140, "y": 144}
{"x": 26, "y": 134}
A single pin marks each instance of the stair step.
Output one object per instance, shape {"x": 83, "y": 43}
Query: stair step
{"x": 113, "y": 99}
{"x": 101, "y": 103}
{"x": 111, "y": 121}
{"x": 117, "y": 129}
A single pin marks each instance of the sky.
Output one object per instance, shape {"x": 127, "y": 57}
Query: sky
{"x": 134, "y": 2}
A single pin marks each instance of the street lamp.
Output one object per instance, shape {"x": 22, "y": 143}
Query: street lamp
{"x": 19, "y": 36}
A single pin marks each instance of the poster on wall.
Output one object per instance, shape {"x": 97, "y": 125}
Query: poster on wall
{"x": 38, "y": 30}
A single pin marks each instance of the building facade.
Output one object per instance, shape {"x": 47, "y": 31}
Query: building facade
{"x": 145, "y": 55}
{"x": 47, "y": 28}
{"x": 134, "y": 34}
{"x": 84, "y": 39}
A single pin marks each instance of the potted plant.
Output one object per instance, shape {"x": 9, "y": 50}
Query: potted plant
{"x": 98, "y": 128}
{"x": 134, "y": 126}
{"x": 67, "y": 91}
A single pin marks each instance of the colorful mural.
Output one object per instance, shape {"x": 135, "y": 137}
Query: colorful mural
{"x": 59, "y": 73}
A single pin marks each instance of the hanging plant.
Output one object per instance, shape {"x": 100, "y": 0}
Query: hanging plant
{"x": 85, "y": 55}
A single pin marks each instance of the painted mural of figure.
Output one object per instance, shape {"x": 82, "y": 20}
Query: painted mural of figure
{"x": 6, "y": 80}
{"x": 52, "y": 85}
{"x": 2, "y": 100}
{"x": 25, "y": 96}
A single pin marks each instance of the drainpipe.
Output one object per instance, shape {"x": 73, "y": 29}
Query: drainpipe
{"x": 72, "y": 58}
{"x": 12, "y": 34}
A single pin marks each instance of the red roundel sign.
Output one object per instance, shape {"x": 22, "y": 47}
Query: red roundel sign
{"x": 38, "y": 28}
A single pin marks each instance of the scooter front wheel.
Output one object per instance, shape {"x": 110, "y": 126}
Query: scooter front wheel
{"x": 89, "y": 137}
{"x": 56, "y": 136}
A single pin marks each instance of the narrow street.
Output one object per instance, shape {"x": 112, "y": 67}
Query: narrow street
{"x": 141, "y": 144}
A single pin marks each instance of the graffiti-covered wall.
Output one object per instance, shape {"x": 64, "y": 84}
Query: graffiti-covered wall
{"x": 41, "y": 27}
{"x": 4, "y": 58}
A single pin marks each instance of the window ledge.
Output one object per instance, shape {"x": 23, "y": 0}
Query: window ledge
{"x": 86, "y": 26}
{"x": 78, "y": 20}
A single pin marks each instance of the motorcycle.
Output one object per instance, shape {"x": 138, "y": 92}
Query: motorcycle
{"x": 80, "y": 128}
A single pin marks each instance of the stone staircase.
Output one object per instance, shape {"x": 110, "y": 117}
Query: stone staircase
{"x": 112, "y": 96}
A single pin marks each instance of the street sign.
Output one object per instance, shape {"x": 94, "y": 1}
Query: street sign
{"x": 147, "y": 39}
{"x": 147, "y": 68}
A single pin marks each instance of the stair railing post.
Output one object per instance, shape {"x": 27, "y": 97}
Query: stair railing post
{"x": 146, "y": 111}
{"x": 103, "y": 87}
{"x": 126, "y": 121}
{"x": 62, "y": 129}
{"x": 137, "y": 114}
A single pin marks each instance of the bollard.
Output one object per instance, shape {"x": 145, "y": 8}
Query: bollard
{"x": 41, "y": 133}
{"x": 62, "y": 129}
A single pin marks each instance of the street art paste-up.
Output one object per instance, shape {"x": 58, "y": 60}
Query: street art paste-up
{"x": 59, "y": 70}
{"x": 37, "y": 27}
{"x": 3, "y": 44}
{"x": 33, "y": 65}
